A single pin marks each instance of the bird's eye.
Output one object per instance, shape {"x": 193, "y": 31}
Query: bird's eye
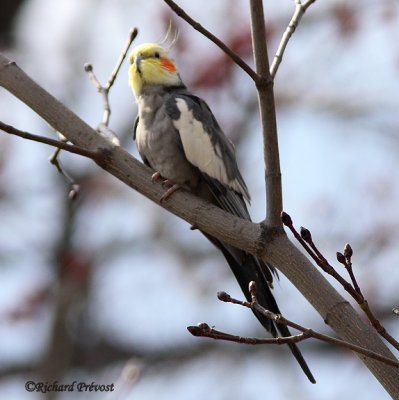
{"x": 156, "y": 55}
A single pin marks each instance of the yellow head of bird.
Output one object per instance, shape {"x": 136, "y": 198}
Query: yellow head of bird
{"x": 151, "y": 65}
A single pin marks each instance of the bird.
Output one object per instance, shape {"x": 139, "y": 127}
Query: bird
{"x": 178, "y": 136}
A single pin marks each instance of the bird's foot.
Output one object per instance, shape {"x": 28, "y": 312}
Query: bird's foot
{"x": 172, "y": 189}
{"x": 173, "y": 186}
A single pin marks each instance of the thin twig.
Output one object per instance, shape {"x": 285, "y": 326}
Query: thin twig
{"x": 348, "y": 252}
{"x": 304, "y": 239}
{"x": 74, "y": 187}
{"x": 293, "y": 24}
{"x": 307, "y": 237}
{"x": 94, "y": 155}
{"x": 325, "y": 266}
{"x": 60, "y": 168}
{"x": 104, "y": 90}
{"x": 197, "y": 26}
{"x": 54, "y": 159}
{"x": 102, "y": 128}
{"x": 132, "y": 35}
{"x": 204, "y": 330}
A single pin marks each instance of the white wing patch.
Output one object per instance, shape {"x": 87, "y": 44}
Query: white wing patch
{"x": 198, "y": 147}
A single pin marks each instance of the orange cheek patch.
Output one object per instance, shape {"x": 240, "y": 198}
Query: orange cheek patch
{"x": 168, "y": 65}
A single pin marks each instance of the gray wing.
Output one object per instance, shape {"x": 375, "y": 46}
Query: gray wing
{"x": 204, "y": 144}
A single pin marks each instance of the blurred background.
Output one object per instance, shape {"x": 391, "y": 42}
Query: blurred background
{"x": 102, "y": 288}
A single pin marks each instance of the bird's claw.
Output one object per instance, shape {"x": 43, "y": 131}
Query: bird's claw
{"x": 167, "y": 182}
{"x": 155, "y": 176}
{"x": 173, "y": 186}
{"x": 171, "y": 190}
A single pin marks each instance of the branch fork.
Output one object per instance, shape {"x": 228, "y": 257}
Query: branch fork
{"x": 204, "y": 330}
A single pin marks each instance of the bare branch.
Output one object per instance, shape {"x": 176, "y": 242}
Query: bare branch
{"x": 293, "y": 24}
{"x": 103, "y": 127}
{"x": 197, "y": 26}
{"x": 104, "y": 90}
{"x": 132, "y": 35}
{"x": 74, "y": 187}
{"x": 306, "y": 241}
{"x": 348, "y": 252}
{"x": 205, "y": 330}
{"x": 94, "y": 155}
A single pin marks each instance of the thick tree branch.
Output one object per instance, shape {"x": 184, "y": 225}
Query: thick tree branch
{"x": 269, "y": 244}
{"x": 121, "y": 164}
{"x": 274, "y": 196}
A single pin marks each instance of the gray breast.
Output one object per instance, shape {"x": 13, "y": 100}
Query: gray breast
{"x": 159, "y": 142}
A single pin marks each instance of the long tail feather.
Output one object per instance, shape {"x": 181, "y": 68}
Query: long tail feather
{"x": 246, "y": 268}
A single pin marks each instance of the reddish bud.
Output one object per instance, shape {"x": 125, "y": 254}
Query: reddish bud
{"x": 252, "y": 288}
{"x": 194, "y": 330}
{"x": 223, "y": 296}
{"x": 133, "y": 33}
{"x": 341, "y": 258}
{"x": 204, "y": 327}
{"x": 285, "y": 219}
{"x": 73, "y": 193}
{"x": 348, "y": 252}
{"x": 305, "y": 234}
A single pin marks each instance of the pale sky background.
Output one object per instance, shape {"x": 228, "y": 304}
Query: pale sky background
{"x": 337, "y": 98}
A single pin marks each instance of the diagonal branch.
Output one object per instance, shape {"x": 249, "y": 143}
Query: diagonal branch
{"x": 204, "y": 330}
{"x": 94, "y": 155}
{"x": 104, "y": 90}
{"x": 293, "y": 24}
{"x": 132, "y": 35}
{"x": 197, "y": 26}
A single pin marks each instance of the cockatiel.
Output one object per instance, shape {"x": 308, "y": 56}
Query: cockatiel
{"x": 178, "y": 136}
